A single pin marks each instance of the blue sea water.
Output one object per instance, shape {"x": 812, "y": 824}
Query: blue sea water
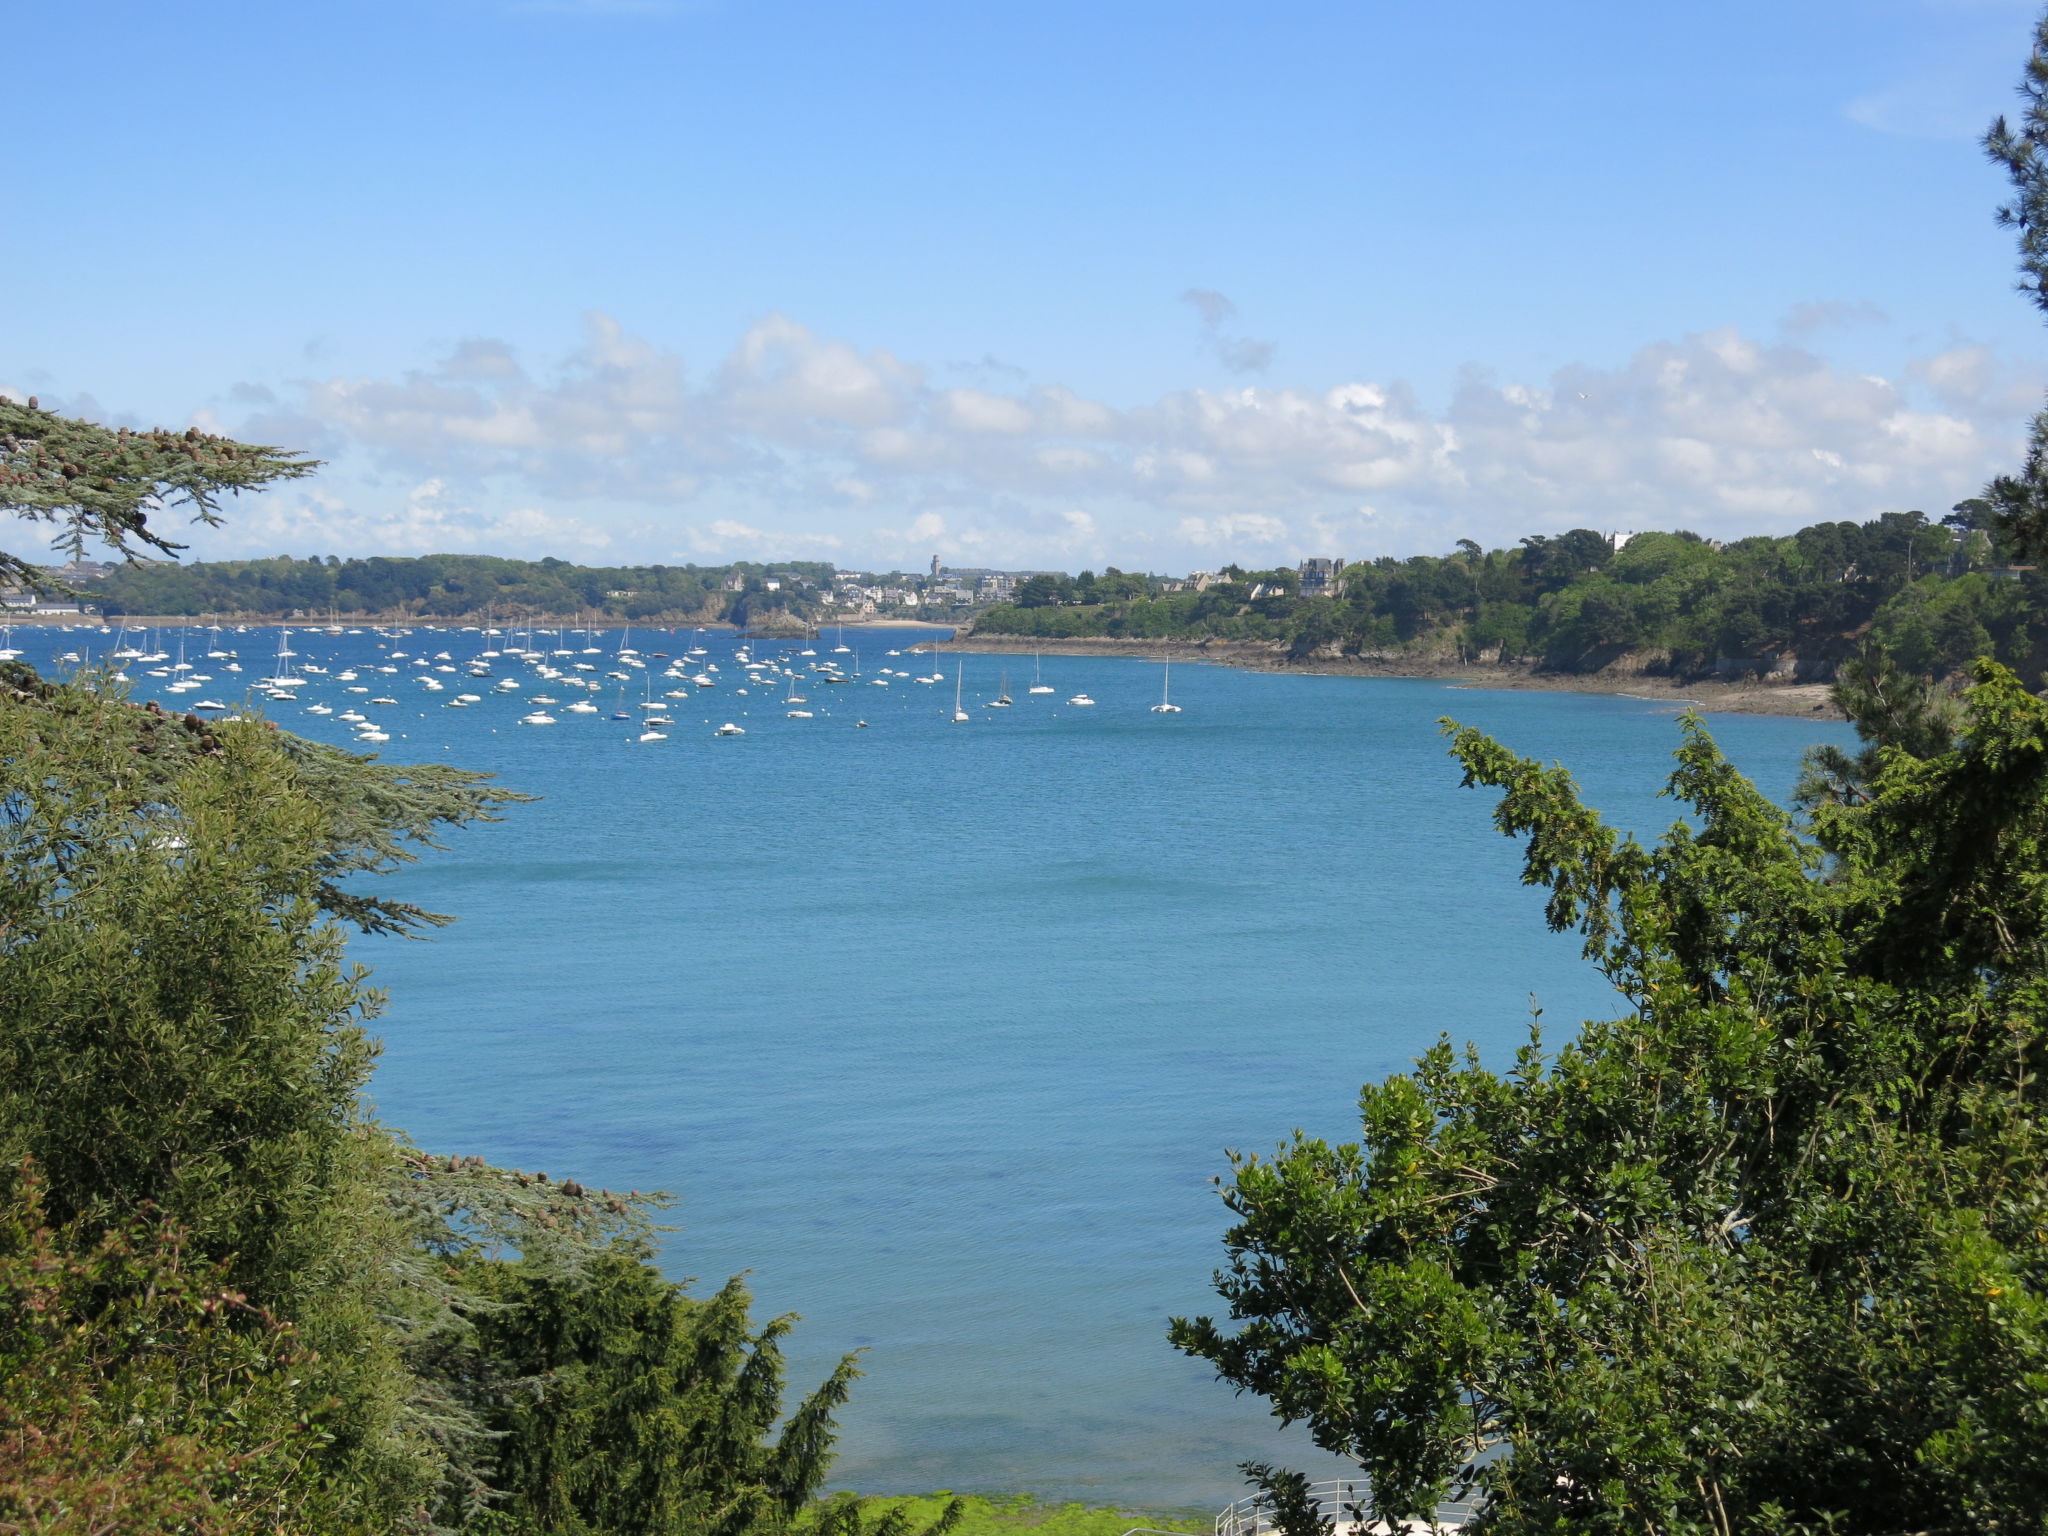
{"x": 941, "y": 1030}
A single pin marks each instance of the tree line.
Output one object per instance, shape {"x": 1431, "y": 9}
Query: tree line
{"x": 468, "y": 587}
{"x": 1935, "y": 594}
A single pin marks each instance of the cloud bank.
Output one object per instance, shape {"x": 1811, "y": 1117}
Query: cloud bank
{"x": 797, "y": 443}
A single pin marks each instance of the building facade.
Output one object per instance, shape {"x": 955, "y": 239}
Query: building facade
{"x": 1322, "y": 578}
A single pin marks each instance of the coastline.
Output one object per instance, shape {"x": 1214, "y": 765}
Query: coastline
{"x": 780, "y": 631}
{"x": 414, "y": 621}
{"x": 1807, "y": 701}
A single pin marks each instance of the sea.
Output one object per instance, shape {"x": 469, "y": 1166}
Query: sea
{"x": 941, "y": 1032}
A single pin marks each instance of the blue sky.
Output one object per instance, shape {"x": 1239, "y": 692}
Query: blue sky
{"x": 1147, "y": 284}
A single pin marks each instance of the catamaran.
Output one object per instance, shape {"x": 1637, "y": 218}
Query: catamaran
{"x": 1166, "y": 706}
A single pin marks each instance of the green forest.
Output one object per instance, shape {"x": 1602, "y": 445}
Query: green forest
{"x": 1935, "y": 594}
{"x": 472, "y": 587}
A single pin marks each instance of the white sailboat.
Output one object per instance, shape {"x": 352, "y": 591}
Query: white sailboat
{"x": 959, "y": 715}
{"x": 282, "y": 677}
{"x": 1166, "y": 706}
{"x": 1038, "y": 682}
{"x": 1002, "y": 700}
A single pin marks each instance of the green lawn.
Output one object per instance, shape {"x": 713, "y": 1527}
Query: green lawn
{"x": 1022, "y": 1515}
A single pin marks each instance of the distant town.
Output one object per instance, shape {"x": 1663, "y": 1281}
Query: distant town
{"x": 946, "y": 591}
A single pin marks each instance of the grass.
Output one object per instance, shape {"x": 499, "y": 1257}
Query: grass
{"x": 1022, "y": 1515}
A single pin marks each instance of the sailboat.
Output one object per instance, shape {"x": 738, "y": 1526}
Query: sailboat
{"x": 959, "y": 715}
{"x": 1166, "y": 706}
{"x": 282, "y": 678}
{"x": 1038, "y": 683}
{"x": 1002, "y": 700}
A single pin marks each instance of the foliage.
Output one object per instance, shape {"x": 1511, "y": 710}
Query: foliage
{"x": 2020, "y": 502}
{"x": 460, "y": 1216}
{"x": 379, "y": 817}
{"x": 371, "y": 816}
{"x": 120, "y": 1426}
{"x": 463, "y": 587}
{"x": 1937, "y": 596}
{"x": 1018, "y": 1515}
{"x": 180, "y": 1038}
{"x": 1291, "y": 1498}
{"x": 1770, "y": 1252}
{"x": 849, "y": 1515}
{"x": 1891, "y": 709}
{"x": 658, "y": 1409}
{"x": 101, "y": 485}
{"x": 182, "y": 1050}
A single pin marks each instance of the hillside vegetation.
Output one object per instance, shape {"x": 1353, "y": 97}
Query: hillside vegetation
{"x": 462, "y": 587}
{"x": 1936, "y": 595}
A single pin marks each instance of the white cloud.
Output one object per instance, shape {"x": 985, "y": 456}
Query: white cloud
{"x": 428, "y": 520}
{"x": 614, "y": 419}
{"x": 822, "y": 444}
{"x": 784, "y": 380}
{"x": 725, "y": 538}
{"x": 976, "y": 410}
{"x": 1233, "y": 532}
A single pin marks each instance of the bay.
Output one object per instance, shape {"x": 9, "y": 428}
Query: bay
{"x": 940, "y": 1031}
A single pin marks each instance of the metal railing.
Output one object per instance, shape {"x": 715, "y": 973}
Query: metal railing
{"x": 1347, "y": 1506}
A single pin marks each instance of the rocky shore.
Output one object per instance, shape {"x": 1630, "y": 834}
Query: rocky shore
{"x": 1713, "y": 695}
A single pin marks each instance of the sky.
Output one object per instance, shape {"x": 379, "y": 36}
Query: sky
{"x": 1062, "y": 285}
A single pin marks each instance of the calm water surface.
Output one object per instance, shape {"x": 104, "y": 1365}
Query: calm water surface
{"x": 941, "y": 1030}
